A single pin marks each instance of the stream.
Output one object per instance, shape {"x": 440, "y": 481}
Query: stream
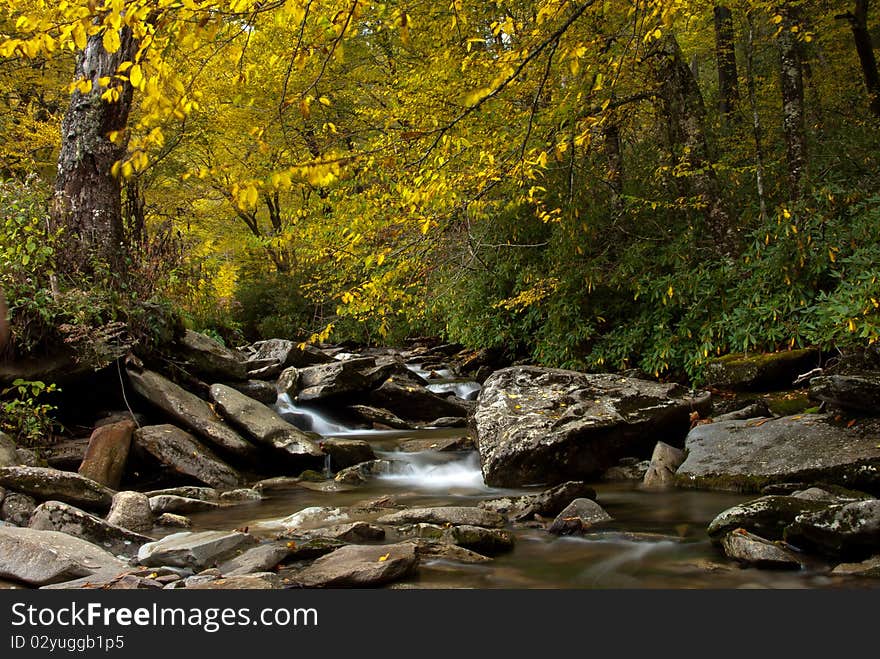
{"x": 657, "y": 539}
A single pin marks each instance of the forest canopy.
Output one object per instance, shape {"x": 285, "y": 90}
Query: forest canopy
{"x": 596, "y": 184}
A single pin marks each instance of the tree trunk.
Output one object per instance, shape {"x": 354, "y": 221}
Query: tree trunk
{"x": 4, "y": 324}
{"x": 858, "y": 21}
{"x": 792, "y": 86}
{"x": 725, "y": 54}
{"x": 614, "y": 164}
{"x": 87, "y": 202}
{"x": 757, "y": 130}
{"x": 686, "y": 112}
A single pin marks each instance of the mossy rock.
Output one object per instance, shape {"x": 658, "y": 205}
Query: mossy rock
{"x": 760, "y": 371}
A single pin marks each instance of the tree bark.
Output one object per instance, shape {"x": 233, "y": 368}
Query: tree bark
{"x": 725, "y": 54}
{"x": 757, "y": 130}
{"x": 858, "y": 21}
{"x": 87, "y": 202}
{"x": 686, "y": 113}
{"x": 613, "y": 164}
{"x": 792, "y": 87}
{"x": 4, "y": 324}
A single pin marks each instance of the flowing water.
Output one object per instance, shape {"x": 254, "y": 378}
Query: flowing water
{"x": 657, "y": 539}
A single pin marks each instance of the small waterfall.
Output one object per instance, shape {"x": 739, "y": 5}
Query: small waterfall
{"x": 464, "y": 389}
{"x": 440, "y": 373}
{"x": 308, "y": 418}
{"x": 429, "y": 470}
{"x": 328, "y": 471}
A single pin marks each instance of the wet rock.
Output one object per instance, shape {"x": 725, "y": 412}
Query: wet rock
{"x": 194, "y": 550}
{"x": 333, "y": 379}
{"x": 259, "y": 581}
{"x": 276, "y": 483}
{"x": 355, "y": 532}
{"x": 436, "y": 550}
{"x": 489, "y": 542}
{"x": 361, "y": 473}
{"x": 455, "y": 515}
{"x": 66, "y": 455}
{"x": 860, "y": 393}
{"x": 627, "y": 470}
{"x": 347, "y": 452}
{"x": 538, "y": 425}
{"x": 548, "y": 503}
{"x": 8, "y": 451}
{"x": 820, "y": 494}
{"x": 868, "y": 568}
{"x": 665, "y": 461}
{"x": 185, "y": 455}
{"x": 449, "y": 444}
{"x": 192, "y": 413}
{"x": 243, "y": 495}
{"x": 259, "y": 390}
{"x": 761, "y": 372}
{"x": 754, "y": 410}
{"x": 188, "y": 491}
{"x": 849, "y": 531}
{"x": 360, "y": 566}
{"x": 174, "y": 521}
{"x": 274, "y": 355}
{"x": 262, "y": 424}
{"x": 17, "y": 508}
{"x": 310, "y": 548}
{"x": 749, "y": 455}
{"x": 29, "y": 458}
{"x": 168, "y": 503}
{"x": 449, "y": 422}
{"x": 44, "y": 483}
{"x": 752, "y": 550}
{"x": 131, "y": 510}
{"x": 413, "y": 402}
{"x": 313, "y": 517}
{"x": 380, "y": 417}
{"x": 261, "y": 558}
{"x": 64, "y": 518}
{"x": 580, "y": 516}
{"x": 44, "y": 557}
{"x": 766, "y": 517}
{"x": 210, "y": 359}
{"x": 107, "y": 453}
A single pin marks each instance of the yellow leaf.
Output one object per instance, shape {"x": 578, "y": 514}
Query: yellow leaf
{"x": 79, "y": 36}
{"x": 324, "y": 101}
{"x": 384, "y": 557}
{"x": 136, "y": 76}
{"x": 111, "y": 40}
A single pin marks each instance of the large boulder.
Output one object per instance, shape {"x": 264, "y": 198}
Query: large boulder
{"x": 169, "y": 503}
{"x": 579, "y": 517}
{"x": 410, "y": 400}
{"x": 44, "y": 483}
{"x": 848, "y": 531}
{"x": 194, "y": 550}
{"x": 107, "y": 453}
{"x": 860, "y": 393}
{"x": 43, "y": 557}
{"x": 8, "y": 451}
{"x": 64, "y": 518}
{"x": 209, "y": 359}
{"x": 347, "y": 452}
{"x": 767, "y": 517}
{"x": 274, "y": 355}
{"x": 131, "y": 510}
{"x": 262, "y": 424}
{"x": 333, "y": 379}
{"x": 191, "y": 412}
{"x": 761, "y": 372}
{"x": 749, "y": 455}
{"x": 17, "y": 508}
{"x": 360, "y": 566}
{"x": 260, "y": 390}
{"x": 185, "y": 455}
{"x": 538, "y": 425}
{"x": 453, "y": 515}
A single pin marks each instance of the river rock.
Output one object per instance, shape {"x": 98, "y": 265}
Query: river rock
{"x": 539, "y": 425}
{"x": 454, "y": 515}
{"x": 413, "y": 402}
{"x": 488, "y": 542}
{"x": 191, "y": 412}
{"x": 435, "y": 549}
{"x": 360, "y": 473}
{"x": 241, "y": 495}
{"x": 259, "y": 390}
{"x": 168, "y": 503}
{"x": 263, "y": 424}
{"x": 210, "y": 359}
{"x": 174, "y": 521}
{"x": 360, "y": 566}
{"x": 347, "y": 452}
{"x": 334, "y": 379}
{"x": 860, "y": 393}
{"x": 17, "y": 508}
{"x": 44, "y": 557}
{"x": 664, "y": 462}
{"x": 194, "y": 550}
{"x": 66, "y": 455}
{"x": 627, "y": 470}
{"x": 64, "y": 518}
{"x": 258, "y": 581}
{"x": 447, "y": 445}
{"x": 107, "y": 453}
{"x": 185, "y": 455}
{"x": 8, "y": 451}
{"x": 766, "y": 517}
{"x": 131, "y": 510}
{"x": 868, "y": 568}
{"x": 188, "y": 491}
{"x": 761, "y": 372}
{"x": 849, "y": 531}
{"x": 355, "y": 532}
{"x": 44, "y": 483}
{"x": 548, "y": 503}
{"x": 752, "y": 550}
{"x": 748, "y": 455}
{"x": 579, "y": 516}
{"x": 754, "y": 410}
{"x": 281, "y": 353}
{"x": 313, "y": 517}
{"x": 256, "y": 559}
{"x": 381, "y": 417}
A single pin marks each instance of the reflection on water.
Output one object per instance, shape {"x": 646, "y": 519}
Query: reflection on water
{"x": 657, "y": 539}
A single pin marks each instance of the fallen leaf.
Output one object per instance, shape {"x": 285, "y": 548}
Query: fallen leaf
{"x": 384, "y": 558}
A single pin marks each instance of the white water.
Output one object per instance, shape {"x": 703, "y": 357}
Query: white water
{"x": 465, "y": 390}
{"x": 440, "y": 373}
{"x": 423, "y": 471}
{"x": 307, "y": 418}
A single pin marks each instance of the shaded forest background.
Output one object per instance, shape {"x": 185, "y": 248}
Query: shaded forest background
{"x": 593, "y": 185}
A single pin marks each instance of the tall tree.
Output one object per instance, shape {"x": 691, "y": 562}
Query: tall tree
{"x": 725, "y": 55}
{"x": 858, "y": 21}
{"x": 792, "y": 88}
